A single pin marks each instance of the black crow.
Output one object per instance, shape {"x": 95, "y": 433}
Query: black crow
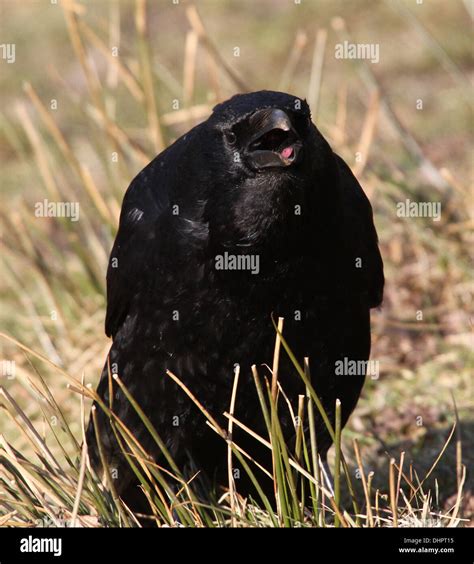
{"x": 249, "y": 214}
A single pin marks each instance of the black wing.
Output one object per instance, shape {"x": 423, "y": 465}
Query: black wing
{"x": 136, "y": 248}
{"x": 148, "y": 210}
{"x": 143, "y": 204}
{"x": 358, "y": 212}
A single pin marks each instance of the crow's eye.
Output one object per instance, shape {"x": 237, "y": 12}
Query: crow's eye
{"x": 305, "y": 120}
{"x": 231, "y": 137}
{"x": 301, "y": 121}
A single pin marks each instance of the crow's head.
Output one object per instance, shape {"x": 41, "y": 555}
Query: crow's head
{"x": 267, "y": 138}
{"x": 264, "y": 131}
{"x": 268, "y": 162}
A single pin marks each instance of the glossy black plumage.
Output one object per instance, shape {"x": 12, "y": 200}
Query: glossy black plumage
{"x": 226, "y": 187}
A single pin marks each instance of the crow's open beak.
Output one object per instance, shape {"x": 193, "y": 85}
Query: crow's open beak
{"x": 274, "y": 143}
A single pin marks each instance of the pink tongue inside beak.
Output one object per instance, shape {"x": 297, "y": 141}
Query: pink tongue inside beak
{"x": 287, "y": 152}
